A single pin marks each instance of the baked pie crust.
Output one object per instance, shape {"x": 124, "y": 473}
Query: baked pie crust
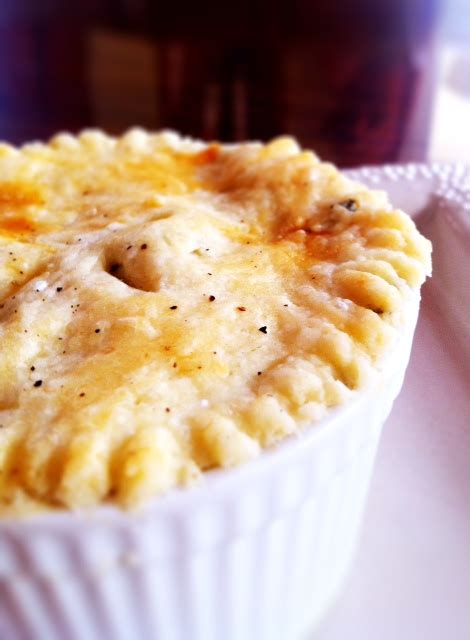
{"x": 169, "y": 306}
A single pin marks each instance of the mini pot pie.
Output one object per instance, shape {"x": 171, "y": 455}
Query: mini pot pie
{"x": 169, "y": 306}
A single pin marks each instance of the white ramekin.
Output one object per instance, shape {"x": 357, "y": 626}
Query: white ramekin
{"x": 254, "y": 553}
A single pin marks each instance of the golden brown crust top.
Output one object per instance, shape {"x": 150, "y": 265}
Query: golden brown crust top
{"x": 168, "y": 306}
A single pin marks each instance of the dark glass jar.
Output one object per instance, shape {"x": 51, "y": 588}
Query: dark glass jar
{"x": 353, "y": 80}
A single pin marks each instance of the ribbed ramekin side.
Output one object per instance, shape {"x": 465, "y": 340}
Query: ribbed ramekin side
{"x": 256, "y": 585}
{"x": 280, "y": 550}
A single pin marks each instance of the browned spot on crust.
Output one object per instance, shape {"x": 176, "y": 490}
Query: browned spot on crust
{"x": 15, "y": 195}
{"x": 17, "y": 225}
{"x": 208, "y": 155}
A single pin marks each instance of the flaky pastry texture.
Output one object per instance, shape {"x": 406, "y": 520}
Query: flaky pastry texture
{"x": 169, "y": 306}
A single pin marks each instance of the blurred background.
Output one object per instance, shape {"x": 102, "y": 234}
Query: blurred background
{"x": 360, "y": 81}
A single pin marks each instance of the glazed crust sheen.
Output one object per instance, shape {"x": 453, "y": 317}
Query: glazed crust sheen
{"x": 169, "y": 306}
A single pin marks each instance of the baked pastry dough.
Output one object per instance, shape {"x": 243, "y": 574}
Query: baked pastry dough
{"x": 168, "y": 307}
